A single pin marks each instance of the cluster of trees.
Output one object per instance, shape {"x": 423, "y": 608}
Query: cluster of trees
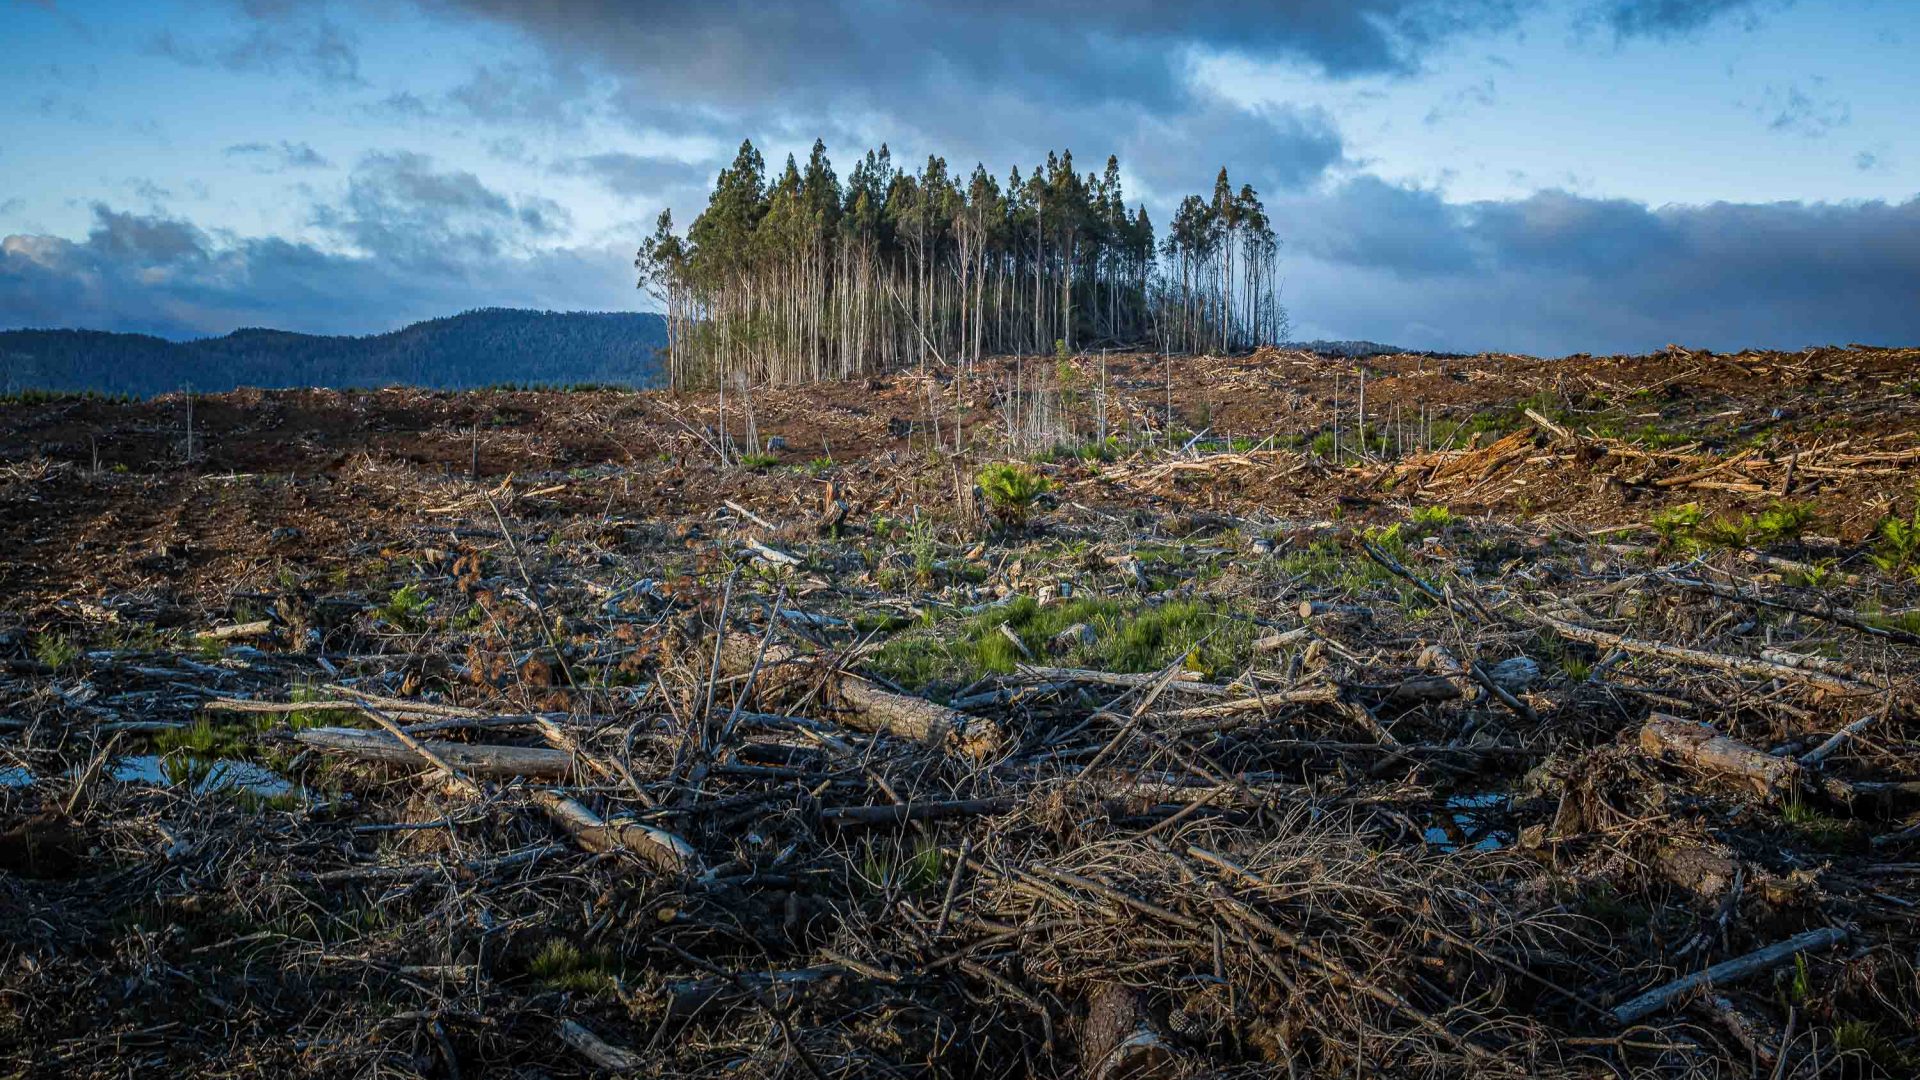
{"x": 487, "y": 347}
{"x": 806, "y": 278}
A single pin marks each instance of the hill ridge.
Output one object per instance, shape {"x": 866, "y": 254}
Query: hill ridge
{"x": 479, "y": 347}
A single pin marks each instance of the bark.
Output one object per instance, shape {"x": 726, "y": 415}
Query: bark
{"x": 658, "y": 847}
{"x": 1728, "y": 971}
{"x": 474, "y": 759}
{"x": 1118, "y": 1042}
{"x": 1700, "y": 747}
{"x": 869, "y": 708}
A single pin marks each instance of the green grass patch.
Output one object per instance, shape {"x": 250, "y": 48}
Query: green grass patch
{"x": 1209, "y": 637}
{"x": 1820, "y": 830}
{"x": 562, "y": 965}
{"x": 889, "y": 866}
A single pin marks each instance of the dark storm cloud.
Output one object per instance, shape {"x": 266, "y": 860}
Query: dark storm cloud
{"x": 989, "y": 80}
{"x": 162, "y": 275}
{"x": 1073, "y": 51}
{"x": 279, "y": 157}
{"x": 1557, "y": 272}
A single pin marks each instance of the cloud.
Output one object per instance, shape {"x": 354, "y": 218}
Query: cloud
{"x": 400, "y": 208}
{"x": 635, "y": 175}
{"x": 281, "y": 39}
{"x": 1274, "y": 148}
{"x": 1556, "y": 272}
{"x": 555, "y": 94}
{"x": 164, "y": 275}
{"x": 984, "y": 80}
{"x": 736, "y": 51}
{"x": 1482, "y": 94}
{"x": 1796, "y": 111}
{"x": 279, "y": 157}
{"x": 1669, "y": 18}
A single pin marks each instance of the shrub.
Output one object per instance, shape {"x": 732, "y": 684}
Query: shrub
{"x": 56, "y": 651}
{"x": 1688, "y": 528}
{"x": 1010, "y": 489}
{"x": 1677, "y": 525}
{"x": 921, "y": 542}
{"x": 1897, "y": 547}
{"x": 405, "y": 607}
{"x": 758, "y": 462}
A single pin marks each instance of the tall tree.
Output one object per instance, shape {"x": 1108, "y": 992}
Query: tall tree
{"x": 808, "y": 277}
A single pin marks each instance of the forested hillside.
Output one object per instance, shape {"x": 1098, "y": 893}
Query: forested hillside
{"x": 805, "y": 278}
{"x": 477, "y": 348}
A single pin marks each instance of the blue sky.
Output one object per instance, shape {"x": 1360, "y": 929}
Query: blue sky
{"x": 1545, "y": 176}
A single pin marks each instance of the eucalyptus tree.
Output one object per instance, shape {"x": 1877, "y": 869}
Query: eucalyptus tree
{"x": 809, "y": 277}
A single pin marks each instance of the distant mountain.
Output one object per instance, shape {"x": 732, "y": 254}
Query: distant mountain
{"x": 1352, "y": 349}
{"x": 477, "y": 348}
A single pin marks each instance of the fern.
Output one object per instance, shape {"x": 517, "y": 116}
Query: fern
{"x": 1010, "y": 489}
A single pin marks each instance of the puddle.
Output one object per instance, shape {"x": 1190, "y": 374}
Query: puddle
{"x": 1472, "y": 821}
{"x": 15, "y": 776}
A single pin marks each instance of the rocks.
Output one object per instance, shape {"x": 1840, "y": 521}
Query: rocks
{"x": 1077, "y": 636}
{"x": 1515, "y": 674}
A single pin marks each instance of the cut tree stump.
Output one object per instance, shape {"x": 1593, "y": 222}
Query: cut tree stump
{"x": 1119, "y": 1042}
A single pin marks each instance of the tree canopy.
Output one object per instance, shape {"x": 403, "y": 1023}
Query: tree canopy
{"x": 803, "y": 277}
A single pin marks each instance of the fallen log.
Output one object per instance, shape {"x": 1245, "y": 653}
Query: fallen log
{"x": 475, "y": 759}
{"x": 1127, "y": 679}
{"x": 1273, "y": 642}
{"x": 686, "y": 997}
{"x": 869, "y": 708}
{"x": 1738, "y": 665}
{"x": 604, "y": 1055}
{"x": 658, "y": 847}
{"x": 773, "y": 555}
{"x": 256, "y": 628}
{"x": 899, "y": 813}
{"x": 1727, "y": 971}
{"x": 1699, "y": 746}
{"x": 1326, "y": 694}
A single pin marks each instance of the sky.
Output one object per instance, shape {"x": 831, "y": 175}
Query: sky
{"x": 1537, "y": 176}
